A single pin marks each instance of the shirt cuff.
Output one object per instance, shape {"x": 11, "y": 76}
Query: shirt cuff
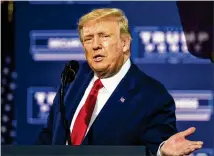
{"x": 159, "y": 153}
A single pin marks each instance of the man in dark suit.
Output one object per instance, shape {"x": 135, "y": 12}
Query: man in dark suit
{"x": 111, "y": 101}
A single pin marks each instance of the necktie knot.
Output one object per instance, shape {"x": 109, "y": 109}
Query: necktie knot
{"x": 97, "y": 85}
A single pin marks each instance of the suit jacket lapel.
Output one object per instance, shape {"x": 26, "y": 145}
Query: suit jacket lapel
{"x": 72, "y": 98}
{"x": 75, "y": 95}
{"x": 117, "y": 99}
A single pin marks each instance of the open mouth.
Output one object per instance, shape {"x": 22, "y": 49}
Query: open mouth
{"x": 98, "y": 58}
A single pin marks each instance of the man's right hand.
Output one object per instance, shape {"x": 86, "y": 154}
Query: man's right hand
{"x": 178, "y": 145}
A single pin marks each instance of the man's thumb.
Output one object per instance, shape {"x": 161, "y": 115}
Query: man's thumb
{"x": 188, "y": 132}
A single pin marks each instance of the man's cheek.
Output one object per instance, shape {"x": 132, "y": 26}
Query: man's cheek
{"x": 88, "y": 55}
{"x": 105, "y": 44}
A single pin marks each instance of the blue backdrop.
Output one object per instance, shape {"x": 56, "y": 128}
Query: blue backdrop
{"x": 46, "y": 39}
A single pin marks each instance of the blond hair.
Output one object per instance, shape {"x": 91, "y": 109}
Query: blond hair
{"x": 97, "y": 14}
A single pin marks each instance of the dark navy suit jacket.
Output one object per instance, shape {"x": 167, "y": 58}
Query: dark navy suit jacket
{"x": 146, "y": 117}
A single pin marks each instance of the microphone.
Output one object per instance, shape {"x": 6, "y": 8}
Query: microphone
{"x": 67, "y": 76}
{"x": 69, "y": 72}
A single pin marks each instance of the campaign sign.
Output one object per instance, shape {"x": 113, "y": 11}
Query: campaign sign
{"x": 166, "y": 45}
{"x": 39, "y": 102}
{"x": 55, "y": 45}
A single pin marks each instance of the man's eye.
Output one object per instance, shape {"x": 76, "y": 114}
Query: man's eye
{"x": 87, "y": 39}
{"x": 105, "y": 36}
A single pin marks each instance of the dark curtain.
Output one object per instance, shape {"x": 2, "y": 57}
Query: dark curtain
{"x": 8, "y": 74}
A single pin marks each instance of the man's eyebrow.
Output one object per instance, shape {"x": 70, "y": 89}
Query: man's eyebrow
{"x": 102, "y": 33}
{"x": 88, "y": 35}
{"x": 99, "y": 33}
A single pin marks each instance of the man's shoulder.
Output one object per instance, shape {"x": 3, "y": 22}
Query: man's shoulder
{"x": 152, "y": 90}
{"x": 150, "y": 84}
{"x": 83, "y": 66}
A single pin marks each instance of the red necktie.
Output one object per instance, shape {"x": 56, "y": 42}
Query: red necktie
{"x": 83, "y": 118}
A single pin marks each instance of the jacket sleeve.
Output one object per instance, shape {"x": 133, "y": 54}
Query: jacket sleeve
{"x": 161, "y": 123}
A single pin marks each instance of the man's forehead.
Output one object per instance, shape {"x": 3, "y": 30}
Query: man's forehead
{"x": 101, "y": 25}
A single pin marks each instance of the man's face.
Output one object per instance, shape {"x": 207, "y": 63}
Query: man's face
{"x": 104, "y": 49}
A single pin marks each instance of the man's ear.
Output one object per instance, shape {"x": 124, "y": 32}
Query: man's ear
{"x": 126, "y": 43}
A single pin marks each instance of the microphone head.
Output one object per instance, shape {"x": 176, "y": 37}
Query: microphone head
{"x": 69, "y": 72}
{"x": 74, "y": 65}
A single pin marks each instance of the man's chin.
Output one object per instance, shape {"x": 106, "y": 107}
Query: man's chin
{"x": 99, "y": 70}
{"x": 99, "y": 67}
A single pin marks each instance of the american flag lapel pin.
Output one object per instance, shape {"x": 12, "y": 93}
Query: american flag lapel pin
{"x": 122, "y": 99}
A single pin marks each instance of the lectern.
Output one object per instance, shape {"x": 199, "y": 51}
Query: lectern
{"x": 55, "y": 150}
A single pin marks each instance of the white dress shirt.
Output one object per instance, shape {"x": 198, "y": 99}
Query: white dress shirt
{"x": 109, "y": 85}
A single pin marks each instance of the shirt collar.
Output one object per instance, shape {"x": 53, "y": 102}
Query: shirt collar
{"x": 111, "y": 83}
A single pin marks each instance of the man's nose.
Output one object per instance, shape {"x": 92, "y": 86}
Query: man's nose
{"x": 96, "y": 43}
